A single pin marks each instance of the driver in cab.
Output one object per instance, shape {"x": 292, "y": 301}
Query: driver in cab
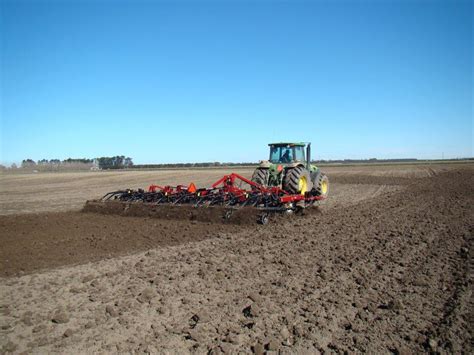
{"x": 286, "y": 157}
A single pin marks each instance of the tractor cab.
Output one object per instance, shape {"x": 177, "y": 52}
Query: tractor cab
{"x": 287, "y": 153}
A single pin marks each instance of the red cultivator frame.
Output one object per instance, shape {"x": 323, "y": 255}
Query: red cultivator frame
{"x": 233, "y": 192}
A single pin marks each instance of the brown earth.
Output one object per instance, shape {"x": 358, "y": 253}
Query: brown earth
{"x": 386, "y": 266}
{"x": 33, "y": 242}
{"x": 36, "y": 241}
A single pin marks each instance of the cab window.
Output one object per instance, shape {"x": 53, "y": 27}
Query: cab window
{"x": 299, "y": 153}
{"x": 281, "y": 154}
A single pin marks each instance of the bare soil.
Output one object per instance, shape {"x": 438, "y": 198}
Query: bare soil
{"x": 33, "y": 242}
{"x": 384, "y": 267}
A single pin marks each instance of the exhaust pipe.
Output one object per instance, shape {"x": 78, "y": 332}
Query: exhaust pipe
{"x": 308, "y": 156}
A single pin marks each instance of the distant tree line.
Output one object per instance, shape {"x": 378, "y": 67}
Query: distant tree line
{"x": 116, "y": 162}
{"x": 122, "y": 162}
{"x": 30, "y": 163}
{"x": 375, "y": 160}
{"x": 219, "y": 164}
{"x": 371, "y": 160}
{"x": 189, "y": 165}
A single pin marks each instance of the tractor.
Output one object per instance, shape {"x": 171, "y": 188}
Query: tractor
{"x": 289, "y": 169}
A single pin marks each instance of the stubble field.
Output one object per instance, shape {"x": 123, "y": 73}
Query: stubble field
{"x": 384, "y": 266}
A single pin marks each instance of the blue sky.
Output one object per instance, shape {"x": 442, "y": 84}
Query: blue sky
{"x": 216, "y": 81}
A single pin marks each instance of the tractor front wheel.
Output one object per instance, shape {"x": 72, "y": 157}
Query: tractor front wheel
{"x": 321, "y": 185}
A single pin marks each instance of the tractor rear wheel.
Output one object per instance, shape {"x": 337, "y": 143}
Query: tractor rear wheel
{"x": 321, "y": 185}
{"x": 260, "y": 176}
{"x": 297, "y": 181}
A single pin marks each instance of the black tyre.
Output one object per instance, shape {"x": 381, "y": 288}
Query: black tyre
{"x": 297, "y": 181}
{"x": 260, "y": 176}
{"x": 321, "y": 185}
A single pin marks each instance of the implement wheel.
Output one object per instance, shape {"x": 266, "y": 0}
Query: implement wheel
{"x": 297, "y": 181}
{"x": 263, "y": 219}
{"x": 260, "y": 176}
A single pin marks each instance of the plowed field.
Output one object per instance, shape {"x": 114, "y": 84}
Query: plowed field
{"x": 385, "y": 266}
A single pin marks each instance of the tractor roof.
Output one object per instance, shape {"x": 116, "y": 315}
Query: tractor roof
{"x": 300, "y": 144}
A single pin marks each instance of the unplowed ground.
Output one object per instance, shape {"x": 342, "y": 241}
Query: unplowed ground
{"x": 385, "y": 266}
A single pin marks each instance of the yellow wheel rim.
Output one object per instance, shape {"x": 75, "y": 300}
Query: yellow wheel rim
{"x": 303, "y": 185}
{"x": 324, "y": 187}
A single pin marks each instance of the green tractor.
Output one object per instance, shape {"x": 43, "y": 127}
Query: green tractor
{"x": 289, "y": 169}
